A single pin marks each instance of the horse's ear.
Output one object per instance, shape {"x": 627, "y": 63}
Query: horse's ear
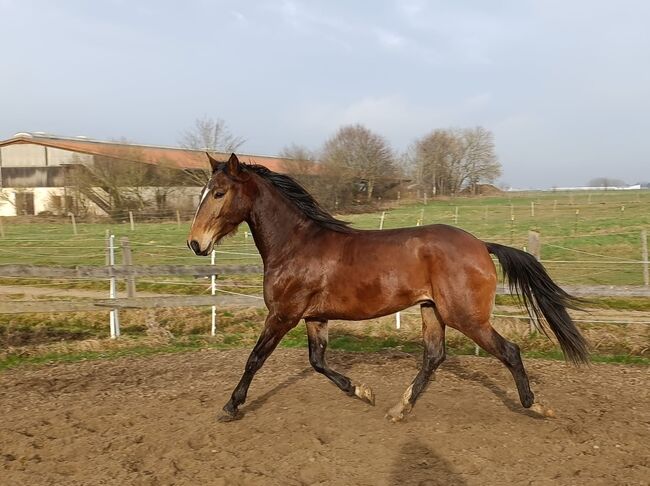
{"x": 214, "y": 163}
{"x": 234, "y": 167}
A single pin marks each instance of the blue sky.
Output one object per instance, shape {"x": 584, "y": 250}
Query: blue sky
{"x": 564, "y": 86}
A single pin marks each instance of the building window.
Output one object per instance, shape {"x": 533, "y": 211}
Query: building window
{"x": 24, "y": 203}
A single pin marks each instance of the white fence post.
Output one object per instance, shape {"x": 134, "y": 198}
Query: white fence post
{"x": 213, "y": 291}
{"x": 74, "y": 223}
{"x": 381, "y": 220}
{"x": 114, "y": 316}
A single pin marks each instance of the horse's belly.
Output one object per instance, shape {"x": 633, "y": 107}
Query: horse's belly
{"x": 358, "y": 300}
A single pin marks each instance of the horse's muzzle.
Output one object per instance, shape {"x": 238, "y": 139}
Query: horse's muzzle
{"x": 196, "y": 248}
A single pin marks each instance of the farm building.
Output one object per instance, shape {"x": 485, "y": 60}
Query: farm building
{"x": 43, "y": 174}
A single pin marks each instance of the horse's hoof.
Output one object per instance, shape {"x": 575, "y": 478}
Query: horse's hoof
{"x": 396, "y": 414}
{"x": 224, "y": 416}
{"x": 365, "y": 393}
{"x": 542, "y": 410}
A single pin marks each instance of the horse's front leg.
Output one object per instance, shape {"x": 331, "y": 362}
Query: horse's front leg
{"x": 274, "y": 330}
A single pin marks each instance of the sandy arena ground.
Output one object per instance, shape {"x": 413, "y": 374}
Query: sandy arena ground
{"x": 150, "y": 421}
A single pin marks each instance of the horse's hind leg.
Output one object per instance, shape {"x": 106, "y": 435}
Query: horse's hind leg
{"x": 318, "y": 338}
{"x": 508, "y": 353}
{"x": 433, "y": 334}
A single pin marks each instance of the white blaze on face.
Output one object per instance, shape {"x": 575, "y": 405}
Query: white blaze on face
{"x": 204, "y": 194}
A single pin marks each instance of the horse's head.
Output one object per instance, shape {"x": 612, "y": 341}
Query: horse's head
{"x": 225, "y": 202}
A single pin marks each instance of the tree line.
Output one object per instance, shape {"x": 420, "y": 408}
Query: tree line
{"x": 357, "y": 165}
{"x": 354, "y": 167}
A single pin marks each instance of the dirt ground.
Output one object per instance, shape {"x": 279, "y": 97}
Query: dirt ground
{"x": 151, "y": 421}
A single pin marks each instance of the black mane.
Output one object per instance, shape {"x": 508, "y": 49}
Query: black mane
{"x": 299, "y": 196}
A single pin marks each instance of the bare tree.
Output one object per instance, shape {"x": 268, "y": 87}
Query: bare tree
{"x": 123, "y": 181}
{"x": 448, "y": 160}
{"x": 355, "y": 155}
{"x": 301, "y": 164}
{"x": 479, "y": 163}
{"x": 209, "y": 135}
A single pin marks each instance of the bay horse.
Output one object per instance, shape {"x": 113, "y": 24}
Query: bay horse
{"x": 318, "y": 268}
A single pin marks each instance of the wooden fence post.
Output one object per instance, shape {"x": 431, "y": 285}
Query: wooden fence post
{"x": 131, "y": 221}
{"x": 644, "y": 257}
{"x": 535, "y": 249}
{"x": 178, "y": 219}
{"x": 534, "y": 245}
{"x": 127, "y": 262}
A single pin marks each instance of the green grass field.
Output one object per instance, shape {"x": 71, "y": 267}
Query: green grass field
{"x": 587, "y": 238}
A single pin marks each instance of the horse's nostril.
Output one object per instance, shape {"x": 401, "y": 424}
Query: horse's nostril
{"x": 194, "y": 245}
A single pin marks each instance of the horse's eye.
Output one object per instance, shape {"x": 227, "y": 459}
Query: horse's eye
{"x": 219, "y": 194}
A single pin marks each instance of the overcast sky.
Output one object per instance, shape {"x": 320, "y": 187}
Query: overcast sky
{"x": 564, "y": 85}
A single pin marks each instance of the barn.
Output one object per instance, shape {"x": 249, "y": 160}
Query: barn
{"x": 45, "y": 174}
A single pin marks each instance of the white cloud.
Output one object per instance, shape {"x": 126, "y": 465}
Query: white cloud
{"x": 239, "y": 17}
{"x": 389, "y": 39}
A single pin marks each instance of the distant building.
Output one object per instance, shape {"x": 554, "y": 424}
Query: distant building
{"x": 40, "y": 173}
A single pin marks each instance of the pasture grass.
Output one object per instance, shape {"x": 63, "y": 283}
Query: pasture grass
{"x": 587, "y": 238}
{"x": 41, "y": 338}
{"x": 366, "y": 344}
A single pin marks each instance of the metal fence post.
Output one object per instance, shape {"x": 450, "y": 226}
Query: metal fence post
{"x": 213, "y": 291}
{"x": 114, "y": 317}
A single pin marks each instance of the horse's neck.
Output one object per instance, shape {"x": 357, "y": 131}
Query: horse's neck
{"x": 278, "y": 227}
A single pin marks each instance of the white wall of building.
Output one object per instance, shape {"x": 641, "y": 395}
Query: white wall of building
{"x": 183, "y": 198}
{"x": 7, "y": 201}
{"x": 32, "y": 155}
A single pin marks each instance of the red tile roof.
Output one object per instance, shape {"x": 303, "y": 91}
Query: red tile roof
{"x": 173, "y": 157}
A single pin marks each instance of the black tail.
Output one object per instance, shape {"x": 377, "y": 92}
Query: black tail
{"x": 544, "y": 299}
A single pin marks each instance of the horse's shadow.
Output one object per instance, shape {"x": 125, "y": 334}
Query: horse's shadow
{"x": 418, "y": 464}
{"x": 463, "y": 373}
{"x": 262, "y": 399}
